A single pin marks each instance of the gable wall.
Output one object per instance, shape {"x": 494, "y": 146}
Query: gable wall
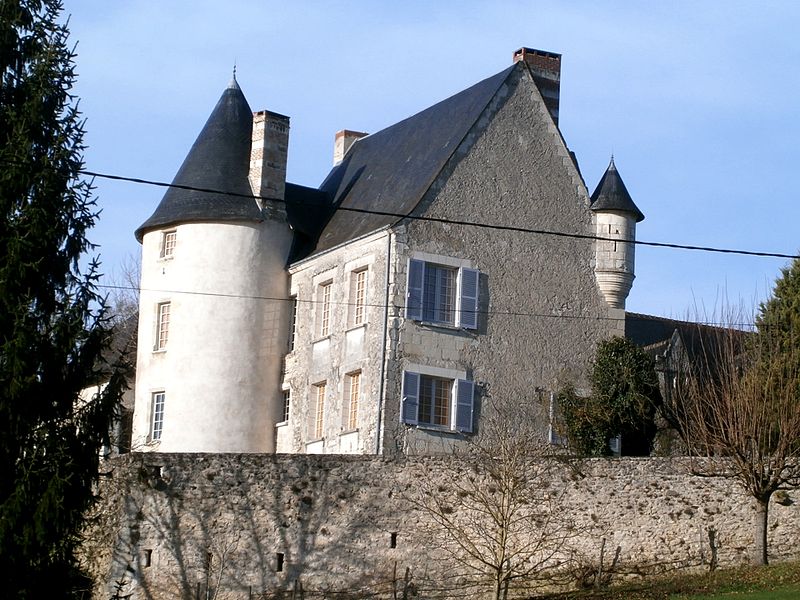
{"x": 542, "y": 312}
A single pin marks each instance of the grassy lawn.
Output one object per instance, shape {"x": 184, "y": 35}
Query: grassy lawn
{"x": 775, "y": 582}
{"x": 791, "y": 592}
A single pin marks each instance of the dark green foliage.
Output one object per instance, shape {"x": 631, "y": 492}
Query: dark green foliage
{"x": 52, "y": 323}
{"x": 623, "y": 401}
{"x": 778, "y": 320}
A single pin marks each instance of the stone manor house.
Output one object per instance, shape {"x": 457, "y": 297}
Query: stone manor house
{"x": 370, "y": 315}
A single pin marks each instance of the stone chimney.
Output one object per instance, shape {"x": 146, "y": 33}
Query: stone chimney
{"x": 268, "y": 152}
{"x": 546, "y": 70}
{"x": 344, "y": 140}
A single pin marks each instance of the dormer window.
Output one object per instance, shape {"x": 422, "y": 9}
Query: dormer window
{"x": 168, "y": 240}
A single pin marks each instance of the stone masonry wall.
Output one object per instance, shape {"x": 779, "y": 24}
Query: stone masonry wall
{"x": 243, "y": 526}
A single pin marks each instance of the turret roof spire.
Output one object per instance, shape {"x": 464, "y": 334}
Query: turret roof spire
{"x": 218, "y": 160}
{"x": 611, "y": 194}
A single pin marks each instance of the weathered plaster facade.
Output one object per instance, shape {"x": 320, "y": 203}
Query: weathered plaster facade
{"x": 173, "y": 524}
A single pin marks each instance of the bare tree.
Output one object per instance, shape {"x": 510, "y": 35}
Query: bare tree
{"x": 500, "y": 522}
{"x": 738, "y": 408}
{"x": 123, "y": 287}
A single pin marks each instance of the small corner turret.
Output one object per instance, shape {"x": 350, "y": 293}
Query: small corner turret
{"x": 616, "y": 216}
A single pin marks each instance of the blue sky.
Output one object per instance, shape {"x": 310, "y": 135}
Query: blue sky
{"x": 698, "y": 101}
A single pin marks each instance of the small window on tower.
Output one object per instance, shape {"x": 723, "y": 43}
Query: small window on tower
{"x": 157, "y": 421}
{"x": 168, "y": 240}
{"x": 162, "y": 325}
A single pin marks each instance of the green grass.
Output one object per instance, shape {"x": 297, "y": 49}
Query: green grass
{"x": 791, "y": 592}
{"x": 775, "y": 582}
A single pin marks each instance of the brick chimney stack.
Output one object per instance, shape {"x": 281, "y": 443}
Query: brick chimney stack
{"x": 268, "y": 154}
{"x": 546, "y": 70}
{"x": 344, "y": 139}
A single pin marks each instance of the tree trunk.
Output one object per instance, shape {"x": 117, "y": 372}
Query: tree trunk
{"x": 760, "y": 522}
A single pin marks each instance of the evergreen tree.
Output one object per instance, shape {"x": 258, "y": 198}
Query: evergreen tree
{"x": 623, "y": 402}
{"x": 52, "y": 322}
{"x": 778, "y": 321}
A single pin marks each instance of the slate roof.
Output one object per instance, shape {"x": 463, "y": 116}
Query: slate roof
{"x": 392, "y": 169}
{"x": 218, "y": 160}
{"x": 611, "y": 194}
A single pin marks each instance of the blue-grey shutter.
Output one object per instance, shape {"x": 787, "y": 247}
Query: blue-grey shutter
{"x": 410, "y": 404}
{"x": 416, "y": 272}
{"x": 465, "y": 404}
{"x": 468, "y": 318}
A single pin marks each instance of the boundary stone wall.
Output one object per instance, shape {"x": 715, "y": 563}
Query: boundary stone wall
{"x": 253, "y": 525}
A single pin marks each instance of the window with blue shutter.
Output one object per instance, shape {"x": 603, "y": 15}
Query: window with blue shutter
{"x": 416, "y": 273}
{"x": 468, "y": 305}
{"x": 410, "y": 404}
{"x": 442, "y": 294}
{"x": 437, "y": 402}
{"x": 465, "y": 405}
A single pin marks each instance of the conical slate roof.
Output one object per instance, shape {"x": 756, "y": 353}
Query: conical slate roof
{"x": 611, "y": 194}
{"x": 218, "y": 160}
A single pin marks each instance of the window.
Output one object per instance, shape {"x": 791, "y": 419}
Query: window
{"x": 352, "y": 392}
{"x": 358, "y": 298}
{"x": 324, "y": 309}
{"x": 442, "y": 294}
{"x": 162, "y": 325}
{"x": 317, "y": 411}
{"x": 168, "y": 240}
{"x": 292, "y": 322}
{"x": 157, "y": 423}
{"x": 287, "y": 398}
{"x": 438, "y": 401}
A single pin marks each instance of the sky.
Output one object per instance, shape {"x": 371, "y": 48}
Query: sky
{"x": 697, "y": 101}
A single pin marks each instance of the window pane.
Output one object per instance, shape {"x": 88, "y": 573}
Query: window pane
{"x": 439, "y": 300}
{"x": 292, "y": 322}
{"x": 354, "y": 389}
{"x": 434, "y": 400}
{"x": 320, "y": 408}
{"x": 360, "y": 299}
{"x": 286, "y": 403}
{"x": 325, "y": 307}
{"x": 162, "y": 333}
{"x": 158, "y": 415}
{"x": 168, "y": 243}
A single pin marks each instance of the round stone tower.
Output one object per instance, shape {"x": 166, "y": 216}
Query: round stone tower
{"x": 616, "y": 216}
{"x": 214, "y": 310}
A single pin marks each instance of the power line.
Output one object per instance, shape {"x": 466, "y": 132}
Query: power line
{"x": 449, "y": 221}
{"x": 400, "y": 307}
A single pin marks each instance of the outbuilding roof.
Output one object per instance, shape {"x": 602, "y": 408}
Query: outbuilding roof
{"x": 218, "y": 160}
{"x": 611, "y": 194}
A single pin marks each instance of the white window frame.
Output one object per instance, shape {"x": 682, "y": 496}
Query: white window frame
{"x": 352, "y": 400}
{"x": 169, "y": 239}
{"x": 158, "y": 401}
{"x": 286, "y": 396}
{"x": 465, "y": 303}
{"x": 163, "y": 314}
{"x": 316, "y": 408}
{"x": 292, "y": 322}
{"x": 324, "y": 313}
{"x": 461, "y": 411}
{"x": 359, "y": 290}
